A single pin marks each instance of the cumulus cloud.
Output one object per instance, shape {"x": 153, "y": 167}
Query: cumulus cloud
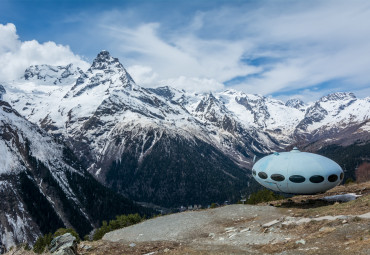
{"x": 185, "y": 56}
{"x": 17, "y": 55}
{"x": 305, "y": 44}
{"x": 311, "y": 44}
{"x": 264, "y": 47}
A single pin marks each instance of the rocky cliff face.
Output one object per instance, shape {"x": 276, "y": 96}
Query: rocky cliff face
{"x": 43, "y": 187}
{"x": 46, "y": 74}
{"x": 2, "y": 91}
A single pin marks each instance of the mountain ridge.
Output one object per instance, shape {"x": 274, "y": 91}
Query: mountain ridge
{"x": 106, "y": 118}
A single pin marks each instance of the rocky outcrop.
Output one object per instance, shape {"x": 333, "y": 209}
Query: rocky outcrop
{"x": 48, "y": 74}
{"x": 2, "y": 91}
{"x": 63, "y": 245}
{"x": 295, "y": 103}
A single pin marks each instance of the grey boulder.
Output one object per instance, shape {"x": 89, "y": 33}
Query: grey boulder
{"x": 63, "y": 245}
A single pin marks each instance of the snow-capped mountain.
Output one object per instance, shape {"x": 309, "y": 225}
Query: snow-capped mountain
{"x": 333, "y": 116}
{"x": 168, "y": 146}
{"x": 43, "y": 187}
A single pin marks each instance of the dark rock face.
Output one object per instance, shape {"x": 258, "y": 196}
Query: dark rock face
{"x": 294, "y": 103}
{"x": 51, "y": 74}
{"x": 212, "y": 110}
{"x": 11, "y": 207}
{"x": 100, "y": 72}
{"x": 41, "y": 194}
{"x": 315, "y": 113}
{"x": 2, "y": 91}
{"x": 257, "y": 107}
{"x": 338, "y": 96}
{"x": 104, "y": 60}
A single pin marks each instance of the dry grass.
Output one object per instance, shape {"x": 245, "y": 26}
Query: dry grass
{"x": 312, "y": 205}
{"x": 22, "y": 251}
{"x": 325, "y": 238}
{"x": 356, "y": 207}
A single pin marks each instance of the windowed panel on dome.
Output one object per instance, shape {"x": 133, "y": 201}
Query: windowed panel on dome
{"x": 277, "y": 177}
{"x": 333, "y": 178}
{"x": 297, "y": 178}
{"x": 341, "y": 176}
{"x": 316, "y": 179}
{"x": 262, "y": 175}
{"x": 254, "y": 172}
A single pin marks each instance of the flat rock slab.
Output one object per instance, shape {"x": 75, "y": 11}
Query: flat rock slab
{"x": 187, "y": 226}
{"x": 271, "y": 223}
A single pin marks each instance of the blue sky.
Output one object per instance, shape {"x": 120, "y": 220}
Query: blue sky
{"x": 303, "y": 49}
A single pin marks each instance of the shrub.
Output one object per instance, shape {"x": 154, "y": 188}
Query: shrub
{"x": 120, "y": 222}
{"x": 62, "y": 231}
{"x": 349, "y": 181}
{"x": 263, "y": 195}
{"x": 44, "y": 241}
{"x": 213, "y": 205}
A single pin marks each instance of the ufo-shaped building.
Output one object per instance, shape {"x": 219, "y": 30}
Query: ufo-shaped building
{"x": 297, "y": 172}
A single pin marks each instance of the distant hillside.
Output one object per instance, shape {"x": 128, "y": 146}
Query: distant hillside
{"x": 43, "y": 186}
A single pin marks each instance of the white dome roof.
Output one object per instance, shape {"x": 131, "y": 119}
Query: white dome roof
{"x": 312, "y": 169}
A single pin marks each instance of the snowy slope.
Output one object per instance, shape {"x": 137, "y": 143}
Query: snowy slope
{"x": 332, "y": 115}
{"x": 42, "y": 186}
{"x": 264, "y": 113}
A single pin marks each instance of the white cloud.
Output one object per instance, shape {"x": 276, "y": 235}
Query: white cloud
{"x": 193, "y": 84}
{"x": 143, "y": 75}
{"x": 185, "y": 56}
{"x": 16, "y": 56}
{"x": 314, "y": 44}
{"x": 304, "y": 44}
{"x": 309, "y": 95}
{"x": 146, "y": 77}
{"x": 309, "y": 43}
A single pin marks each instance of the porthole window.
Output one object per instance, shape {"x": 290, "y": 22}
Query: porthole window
{"x": 333, "y": 178}
{"x": 254, "y": 172}
{"x": 316, "y": 179}
{"x": 297, "y": 178}
{"x": 341, "y": 176}
{"x": 262, "y": 175}
{"x": 277, "y": 177}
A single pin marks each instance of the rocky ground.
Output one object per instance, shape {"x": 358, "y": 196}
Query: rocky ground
{"x": 299, "y": 225}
